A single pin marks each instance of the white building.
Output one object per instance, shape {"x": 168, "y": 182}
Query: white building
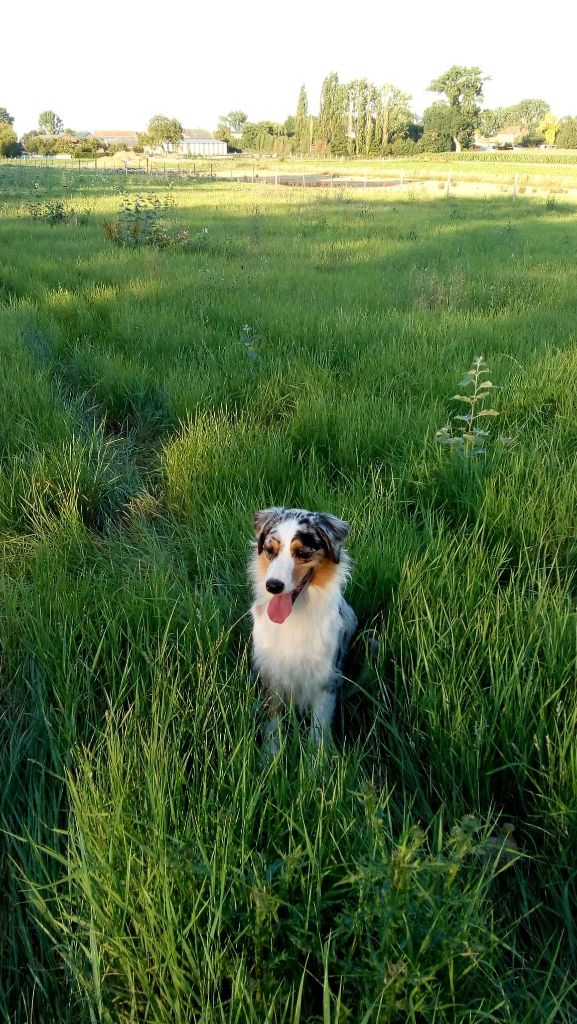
{"x": 199, "y": 143}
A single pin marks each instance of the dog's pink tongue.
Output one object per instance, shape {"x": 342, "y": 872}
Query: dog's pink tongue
{"x": 279, "y": 607}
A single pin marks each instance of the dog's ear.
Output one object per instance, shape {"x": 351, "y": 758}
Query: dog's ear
{"x": 263, "y": 523}
{"x": 333, "y": 533}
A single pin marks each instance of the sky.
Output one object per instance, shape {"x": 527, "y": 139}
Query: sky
{"x": 114, "y": 64}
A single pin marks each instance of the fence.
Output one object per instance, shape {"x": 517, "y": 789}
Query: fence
{"x": 451, "y": 181}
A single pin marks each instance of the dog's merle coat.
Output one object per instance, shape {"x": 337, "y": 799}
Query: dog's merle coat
{"x": 302, "y": 624}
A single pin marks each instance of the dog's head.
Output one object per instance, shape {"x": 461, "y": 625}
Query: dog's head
{"x": 296, "y": 548}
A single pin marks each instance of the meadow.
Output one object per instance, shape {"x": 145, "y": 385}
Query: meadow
{"x": 169, "y": 364}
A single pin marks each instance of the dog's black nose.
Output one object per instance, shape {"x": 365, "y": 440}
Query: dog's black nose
{"x": 275, "y": 586}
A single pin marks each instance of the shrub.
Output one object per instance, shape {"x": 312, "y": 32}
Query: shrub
{"x": 55, "y": 211}
{"x": 9, "y": 145}
{"x": 140, "y": 223}
{"x": 86, "y": 149}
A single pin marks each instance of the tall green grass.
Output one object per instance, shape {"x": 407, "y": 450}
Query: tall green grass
{"x": 154, "y": 868}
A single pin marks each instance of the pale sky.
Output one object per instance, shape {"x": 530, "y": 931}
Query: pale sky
{"x": 113, "y": 65}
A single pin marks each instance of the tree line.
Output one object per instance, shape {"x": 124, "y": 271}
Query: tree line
{"x": 360, "y": 118}
{"x": 357, "y": 118}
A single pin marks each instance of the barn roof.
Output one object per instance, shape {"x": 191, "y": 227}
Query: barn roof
{"x": 114, "y": 133}
{"x": 197, "y": 133}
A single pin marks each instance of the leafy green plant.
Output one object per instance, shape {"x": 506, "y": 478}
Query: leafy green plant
{"x": 464, "y": 432}
{"x": 137, "y": 223}
{"x": 55, "y": 211}
{"x": 141, "y": 224}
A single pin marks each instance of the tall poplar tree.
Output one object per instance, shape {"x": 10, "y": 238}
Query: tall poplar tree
{"x": 302, "y": 129}
{"x": 393, "y": 114}
{"x": 331, "y": 124}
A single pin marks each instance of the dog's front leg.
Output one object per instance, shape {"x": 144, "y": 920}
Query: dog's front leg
{"x": 271, "y": 730}
{"x": 322, "y": 713}
{"x": 271, "y": 736}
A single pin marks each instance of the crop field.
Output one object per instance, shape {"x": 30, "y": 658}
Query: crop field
{"x": 172, "y": 358}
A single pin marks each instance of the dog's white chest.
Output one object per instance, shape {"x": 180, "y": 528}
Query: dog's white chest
{"x": 297, "y": 657}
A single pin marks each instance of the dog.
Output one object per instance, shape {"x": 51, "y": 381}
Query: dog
{"x": 302, "y": 625}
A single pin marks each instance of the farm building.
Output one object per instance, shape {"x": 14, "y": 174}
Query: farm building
{"x": 197, "y": 142}
{"x": 510, "y": 135}
{"x": 127, "y": 139}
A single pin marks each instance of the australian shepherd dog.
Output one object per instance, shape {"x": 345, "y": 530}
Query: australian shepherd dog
{"x": 302, "y": 625}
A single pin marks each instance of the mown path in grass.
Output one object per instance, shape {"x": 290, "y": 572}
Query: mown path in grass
{"x": 302, "y": 351}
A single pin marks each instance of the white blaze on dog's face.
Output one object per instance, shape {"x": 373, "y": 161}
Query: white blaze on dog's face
{"x": 296, "y": 549}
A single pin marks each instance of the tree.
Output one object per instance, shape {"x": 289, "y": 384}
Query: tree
{"x": 30, "y": 141}
{"x": 566, "y": 137}
{"x": 223, "y": 131}
{"x": 528, "y": 112}
{"x": 393, "y": 114}
{"x": 236, "y": 119}
{"x": 5, "y": 117}
{"x": 9, "y": 145}
{"x": 463, "y": 87}
{"x": 491, "y": 121}
{"x": 265, "y": 136}
{"x": 548, "y": 128}
{"x": 233, "y": 122}
{"x": 361, "y": 109}
{"x": 331, "y": 120}
{"x": 49, "y": 123}
{"x": 440, "y": 124}
{"x": 302, "y": 123}
{"x": 87, "y": 148}
{"x": 164, "y": 131}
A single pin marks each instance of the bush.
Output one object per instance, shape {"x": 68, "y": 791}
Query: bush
{"x": 86, "y": 149}
{"x": 533, "y": 141}
{"x": 55, "y": 211}
{"x": 140, "y": 223}
{"x": 9, "y": 145}
{"x": 434, "y": 144}
{"x": 62, "y": 146}
{"x": 403, "y": 147}
{"x": 566, "y": 137}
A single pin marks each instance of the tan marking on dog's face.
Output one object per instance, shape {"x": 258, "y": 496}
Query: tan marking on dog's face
{"x": 325, "y": 570}
{"x": 268, "y": 554}
{"x": 304, "y": 559}
{"x": 271, "y": 548}
{"x": 301, "y": 553}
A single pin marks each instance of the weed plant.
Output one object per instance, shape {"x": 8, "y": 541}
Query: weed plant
{"x": 464, "y": 433}
{"x": 140, "y": 223}
{"x": 152, "y": 869}
{"x": 56, "y": 211}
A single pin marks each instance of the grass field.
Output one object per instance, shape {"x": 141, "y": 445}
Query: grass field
{"x": 301, "y": 350}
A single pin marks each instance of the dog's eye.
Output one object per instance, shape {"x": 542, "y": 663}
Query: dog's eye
{"x": 270, "y": 553}
{"x": 302, "y": 556}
